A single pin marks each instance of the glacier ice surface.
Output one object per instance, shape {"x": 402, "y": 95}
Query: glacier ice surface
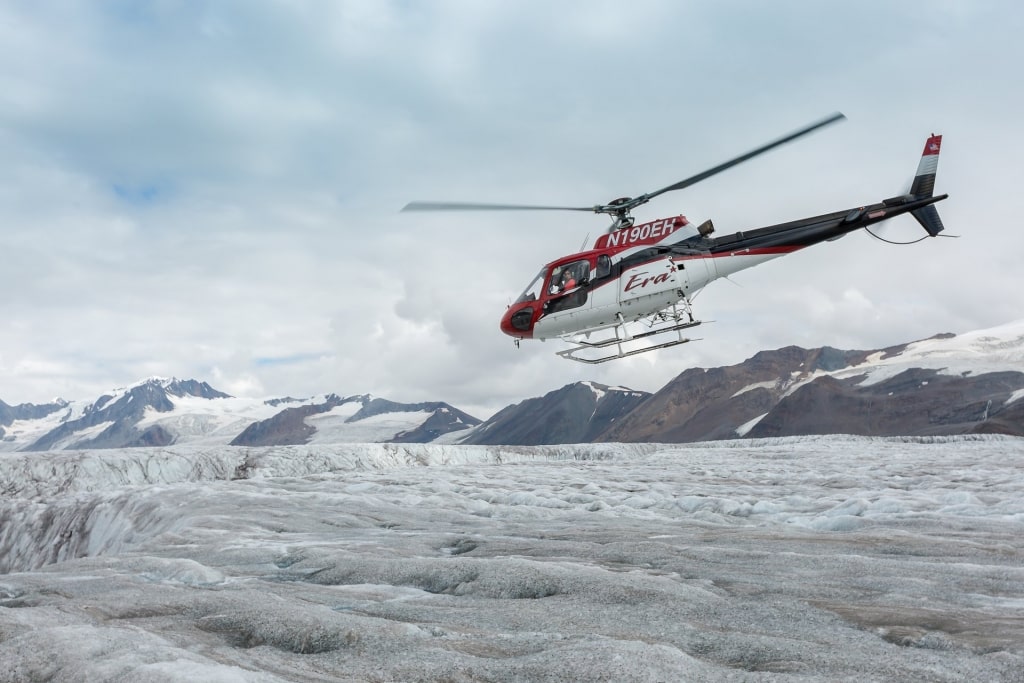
{"x": 805, "y": 559}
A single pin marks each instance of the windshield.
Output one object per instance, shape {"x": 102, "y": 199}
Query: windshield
{"x": 532, "y": 292}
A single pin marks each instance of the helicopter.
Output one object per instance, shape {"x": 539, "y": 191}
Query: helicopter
{"x": 635, "y": 287}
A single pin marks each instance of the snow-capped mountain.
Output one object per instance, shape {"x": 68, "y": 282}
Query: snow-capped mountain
{"x": 26, "y": 411}
{"x": 161, "y": 411}
{"x": 948, "y": 384}
{"x": 356, "y": 419}
{"x": 124, "y": 417}
{"x": 576, "y": 413}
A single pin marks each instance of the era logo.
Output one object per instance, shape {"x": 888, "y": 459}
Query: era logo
{"x": 642, "y": 280}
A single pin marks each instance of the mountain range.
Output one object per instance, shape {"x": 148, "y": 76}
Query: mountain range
{"x": 161, "y": 411}
{"x": 939, "y": 386}
{"x": 947, "y": 384}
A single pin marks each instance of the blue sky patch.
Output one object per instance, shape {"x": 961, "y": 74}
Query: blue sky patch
{"x": 140, "y": 194}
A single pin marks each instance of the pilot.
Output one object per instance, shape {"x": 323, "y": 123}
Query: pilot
{"x": 568, "y": 281}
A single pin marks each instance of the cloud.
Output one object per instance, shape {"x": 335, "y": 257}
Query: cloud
{"x": 212, "y": 189}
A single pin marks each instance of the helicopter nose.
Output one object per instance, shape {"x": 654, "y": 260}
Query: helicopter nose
{"x": 518, "y": 321}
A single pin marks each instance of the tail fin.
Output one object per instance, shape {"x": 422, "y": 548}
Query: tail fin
{"x": 924, "y": 181}
{"x": 924, "y": 186}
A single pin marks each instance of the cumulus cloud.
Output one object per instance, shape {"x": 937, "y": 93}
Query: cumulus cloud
{"x": 212, "y": 189}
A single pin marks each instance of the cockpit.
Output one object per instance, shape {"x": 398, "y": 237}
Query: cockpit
{"x": 559, "y": 286}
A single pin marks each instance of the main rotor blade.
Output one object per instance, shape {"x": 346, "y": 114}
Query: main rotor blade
{"x": 749, "y": 155}
{"x": 461, "y": 206}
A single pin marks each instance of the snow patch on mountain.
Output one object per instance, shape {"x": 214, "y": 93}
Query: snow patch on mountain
{"x": 200, "y": 420}
{"x": 599, "y": 392}
{"x": 22, "y": 432}
{"x": 784, "y": 387}
{"x": 338, "y": 427}
{"x": 744, "y": 428}
{"x": 769, "y": 384}
{"x": 82, "y": 435}
{"x": 995, "y": 349}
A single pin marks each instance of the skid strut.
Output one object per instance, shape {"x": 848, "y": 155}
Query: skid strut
{"x": 626, "y": 339}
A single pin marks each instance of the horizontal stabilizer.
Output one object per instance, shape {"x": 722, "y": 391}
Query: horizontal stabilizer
{"x": 929, "y": 219}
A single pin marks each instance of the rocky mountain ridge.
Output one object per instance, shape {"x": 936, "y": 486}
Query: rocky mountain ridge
{"x": 576, "y": 413}
{"x": 947, "y": 384}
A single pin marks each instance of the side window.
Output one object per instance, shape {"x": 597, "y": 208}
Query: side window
{"x": 566, "y": 287}
{"x": 568, "y": 277}
{"x": 604, "y": 266}
{"x": 581, "y": 270}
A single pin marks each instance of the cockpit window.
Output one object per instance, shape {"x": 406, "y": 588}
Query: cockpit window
{"x": 569, "y": 276}
{"x": 532, "y": 293}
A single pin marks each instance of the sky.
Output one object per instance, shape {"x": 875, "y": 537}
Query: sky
{"x": 212, "y": 190}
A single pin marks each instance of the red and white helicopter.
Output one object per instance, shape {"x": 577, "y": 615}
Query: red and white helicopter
{"x": 638, "y": 281}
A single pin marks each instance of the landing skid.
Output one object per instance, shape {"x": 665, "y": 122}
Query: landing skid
{"x": 623, "y": 342}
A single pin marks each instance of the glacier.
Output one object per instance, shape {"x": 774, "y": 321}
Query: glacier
{"x": 804, "y": 558}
